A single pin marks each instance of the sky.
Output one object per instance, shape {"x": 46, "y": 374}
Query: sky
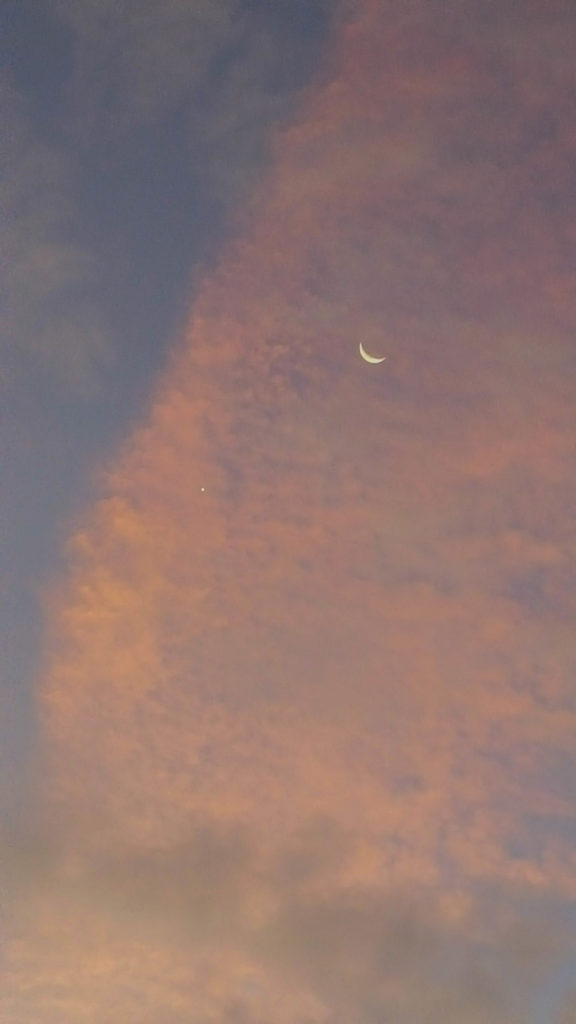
{"x": 288, "y": 655}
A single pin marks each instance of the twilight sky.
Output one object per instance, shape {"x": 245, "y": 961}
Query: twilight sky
{"x": 288, "y": 658}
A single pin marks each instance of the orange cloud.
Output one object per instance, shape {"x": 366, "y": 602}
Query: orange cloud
{"x": 296, "y": 553}
{"x": 312, "y": 587}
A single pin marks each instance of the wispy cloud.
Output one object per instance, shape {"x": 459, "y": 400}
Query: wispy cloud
{"x": 217, "y": 76}
{"x": 232, "y": 70}
{"x": 51, "y": 321}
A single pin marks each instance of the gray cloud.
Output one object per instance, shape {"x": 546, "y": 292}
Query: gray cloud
{"x": 362, "y": 953}
{"x": 568, "y": 1010}
{"x": 373, "y": 954}
{"x": 51, "y": 322}
{"x": 231, "y": 68}
{"x": 114, "y": 190}
{"x": 147, "y": 55}
{"x": 135, "y": 60}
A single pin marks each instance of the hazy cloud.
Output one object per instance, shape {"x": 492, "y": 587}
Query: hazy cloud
{"x": 230, "y": 69}
{"x": 165, "y": 104}
{"x": 136, "y": 60}
{"x": 51, "y": 321}
{"x": 323, "y": 949}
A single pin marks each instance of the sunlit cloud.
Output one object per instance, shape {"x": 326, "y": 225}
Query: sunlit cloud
{"x": 308, "y": 700}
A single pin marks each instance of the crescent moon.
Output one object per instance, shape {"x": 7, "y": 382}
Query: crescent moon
{"x": 368, "y": 358}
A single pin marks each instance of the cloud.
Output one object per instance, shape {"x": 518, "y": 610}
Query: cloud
{"x": 51, "y": 321}
{"x": 131, "y": 133}
{"x": 146, "y": 56}
{"x": 365, "y": 610}
{"x": 305, "y": 943}
{"x": 306, "y": 588}
{"x": 568, "y": 1011}
{"x": 233, "y": 67}
{"x": 165, "y": 104}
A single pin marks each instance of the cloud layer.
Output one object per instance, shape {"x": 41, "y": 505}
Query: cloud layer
{"x": 244, "y": 936}
{"x": 311, "y": 588}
